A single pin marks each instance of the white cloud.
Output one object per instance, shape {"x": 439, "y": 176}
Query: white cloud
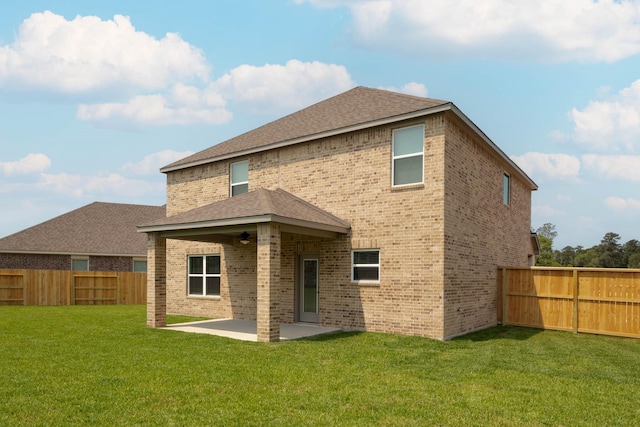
{"x": 550, "y": 30}
{"x": 610, "y": 125}
{"x": 32, "y": 163}
{"x": 617, "y": 167}
{"x": 413, "y": 88}
{"x": 549, "y": 164}
{"x": 152, "y": 163}
{"x": 111, "y": 184}
{"x": 621, "y": 204}
{"x": 88, "y": 54}
{"x": 156, "y": 110}
{"x": 277, "y": 88}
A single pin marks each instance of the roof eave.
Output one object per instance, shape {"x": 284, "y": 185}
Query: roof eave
{"x": 340, "y": 229}
{"x": 325, "y": 134}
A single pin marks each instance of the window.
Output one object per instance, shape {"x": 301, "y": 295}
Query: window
{"x": 204, "y": 275}
{"x": 239, "y": 178}
{"x": 140, "y": 265}
{"x": 408, "y": 155}
{"x": 365, "y": 265}
{"x": 80, "y": 264}
{"x": 506, "y": 189}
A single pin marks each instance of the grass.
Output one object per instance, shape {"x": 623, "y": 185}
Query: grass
{"x": 100, "y": 365}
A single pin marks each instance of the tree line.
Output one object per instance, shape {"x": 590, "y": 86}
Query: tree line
{"x": 610, "y": 253}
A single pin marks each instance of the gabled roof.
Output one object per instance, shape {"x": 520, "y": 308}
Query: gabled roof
{"x": 95, "y": 229}
{"x": 358, "y": 106}
{"x": 257, "y": 206}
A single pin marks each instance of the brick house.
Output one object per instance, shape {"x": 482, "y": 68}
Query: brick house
{"x": 371, "y": 210}
{"x": 96, "y": 237}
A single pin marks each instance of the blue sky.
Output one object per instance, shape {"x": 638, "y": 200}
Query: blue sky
{"x": 95, "y": 97}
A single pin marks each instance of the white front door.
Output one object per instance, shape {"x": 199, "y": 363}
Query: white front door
{"x": 308, "y": 290}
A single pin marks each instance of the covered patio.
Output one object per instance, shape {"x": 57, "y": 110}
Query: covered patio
{"x": 261, "y": 214}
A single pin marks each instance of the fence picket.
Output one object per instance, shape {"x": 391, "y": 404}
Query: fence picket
{"x": 599, "y": 301}
{"x": 60, "y": 287}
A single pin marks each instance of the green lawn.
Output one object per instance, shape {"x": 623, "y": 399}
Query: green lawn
{"x": 101, "y": 365}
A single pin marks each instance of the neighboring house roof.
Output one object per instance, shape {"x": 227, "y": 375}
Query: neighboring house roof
{"x": 95, "y": 229}
{"x": 256, "y": 206}
{"x": 355, "y": 109}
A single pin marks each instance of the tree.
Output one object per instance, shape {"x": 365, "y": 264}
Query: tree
{"x": 609, "y": 253}
{"x": 546, "y": 234}
{"x": 546, "y": 257}
{"x": 548, "y": 230}
{"x": 631, "y": 254}
{"x": 566, "y": 256}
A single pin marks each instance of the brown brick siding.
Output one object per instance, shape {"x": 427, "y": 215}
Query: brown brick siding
{"x": 35, "y": 261}
{"x": 439, "y": 241}
{"x": 63, "y": 262}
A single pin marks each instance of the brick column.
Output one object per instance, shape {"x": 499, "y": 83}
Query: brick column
{"x": 156, "y": 281}
{"x": 268, "y": 282}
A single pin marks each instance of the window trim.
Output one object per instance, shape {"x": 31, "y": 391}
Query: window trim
{"x": 203, "y": 275}
{"x": 233, "y": 184}
{"x": 354, "y": 266}
{"x": 405, "y": 156}
{"x": 506, "y": 189}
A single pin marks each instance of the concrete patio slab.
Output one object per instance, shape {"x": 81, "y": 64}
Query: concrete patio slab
{"x": 246, "y": 330}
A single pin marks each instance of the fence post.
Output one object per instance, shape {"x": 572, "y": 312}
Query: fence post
{"x": 575, "y": 300}
{"x": 504, "y": 296}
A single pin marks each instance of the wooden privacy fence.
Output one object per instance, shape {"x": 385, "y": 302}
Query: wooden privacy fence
{"x": 62, "y": 287}
{"x": 597, "y": 301}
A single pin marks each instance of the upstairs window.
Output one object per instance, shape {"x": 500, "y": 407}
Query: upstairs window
{"x": 506, "y": 189}
{"x": 408, "y": 155}
{"x": 204, "y": 275}
{"x": 239, "y": 178}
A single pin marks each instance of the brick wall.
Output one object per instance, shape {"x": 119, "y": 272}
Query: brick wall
{"x": 481, "y": 232}
{"x": 35, "y": 261}
{"x": 110, "y": 263}
{"x": 435, "y": 274}
{"x": 63, "y": 262}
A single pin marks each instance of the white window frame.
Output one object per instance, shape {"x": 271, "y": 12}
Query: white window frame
{"x": 405, "y": 156}
{"x": 79, "y": 258}
{"x": 354, "y": 265}
{"x": 506, "y": 189}
{"x": 233, "y": 184}
{"x": 204, "y": 275}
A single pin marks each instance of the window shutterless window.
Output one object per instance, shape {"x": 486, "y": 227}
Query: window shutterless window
{"x": 239, "y": 178}
{"x": 365, "y": 265}
{"x": 408, "y": 155}
{"x": 204, "y": 275}
{"x": 506, "y": 189}
{"x": 80, "y": 264}
{"x": 140, "y": 265}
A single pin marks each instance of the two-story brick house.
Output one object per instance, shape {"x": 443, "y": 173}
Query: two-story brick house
{"x": 371, "y": 210}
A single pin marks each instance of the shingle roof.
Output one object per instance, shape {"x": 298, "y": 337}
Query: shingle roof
{"x": 98, "y": 228}
{"x": 256, "y": 206}
{"x": 359, "y": 105}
